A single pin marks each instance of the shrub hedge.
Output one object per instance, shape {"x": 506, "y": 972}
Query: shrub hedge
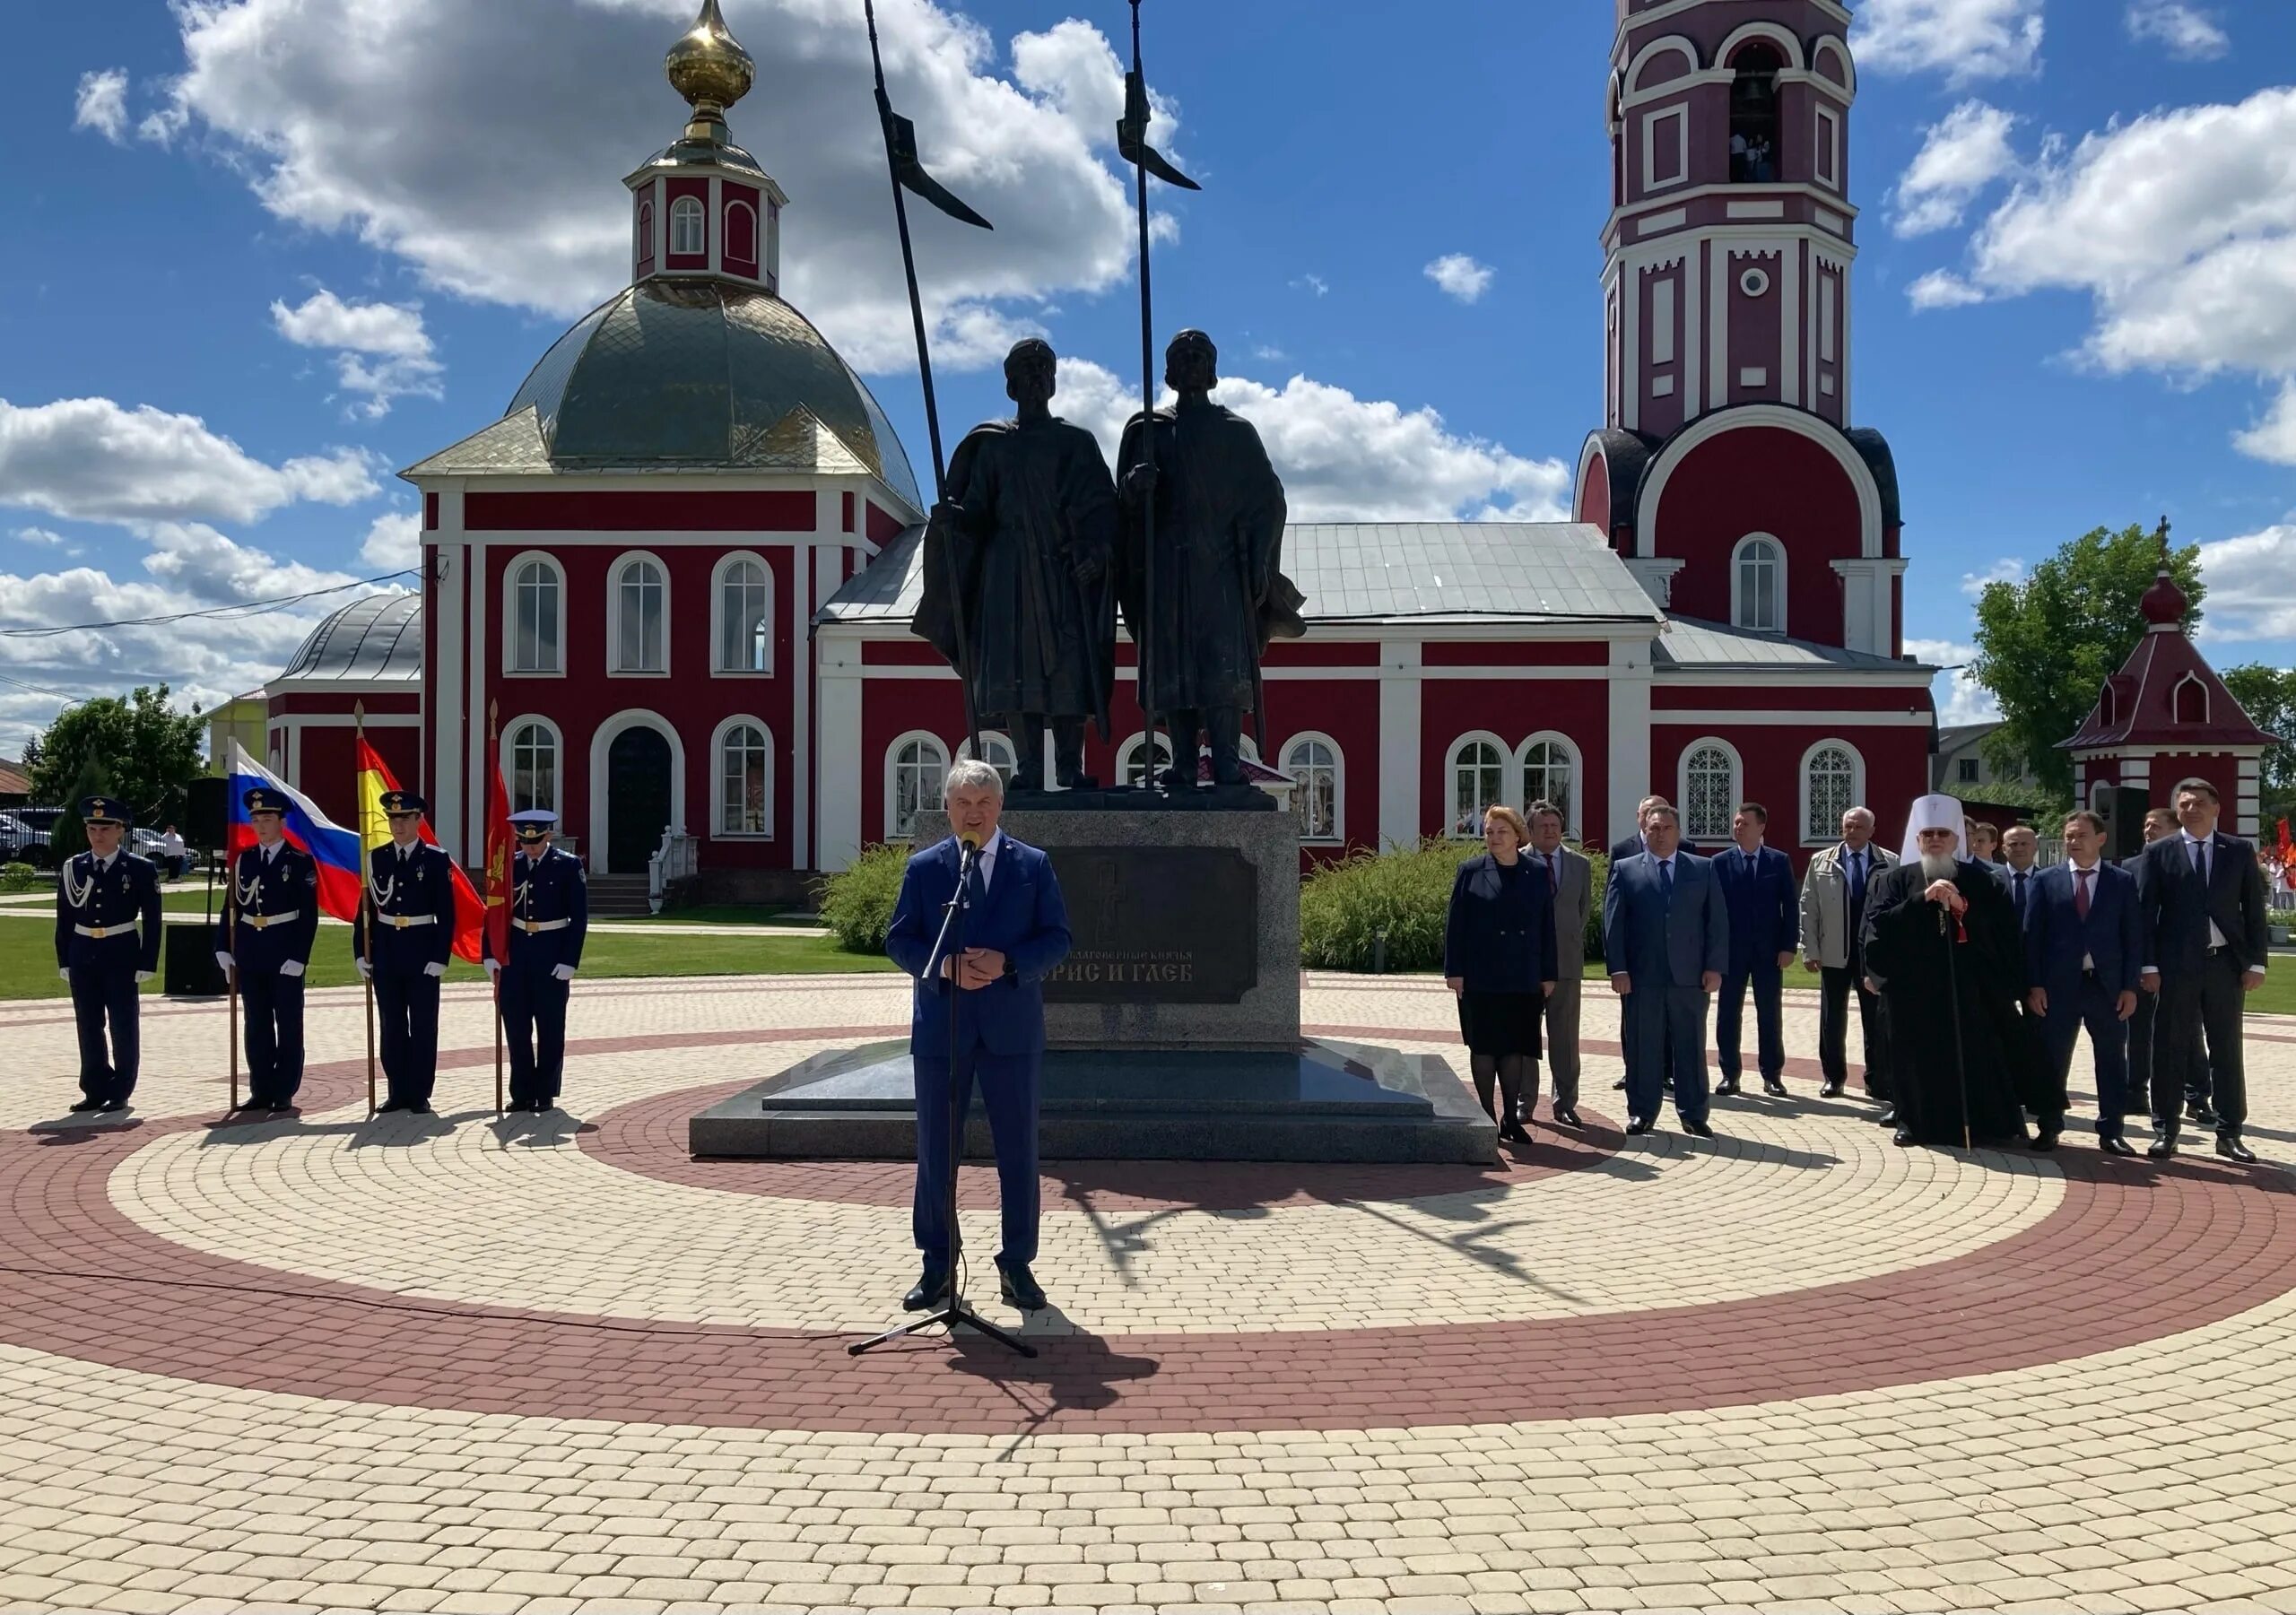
{"x": 856, "y": 902}
{"x": 1406, "y": 893}
{"x": 18, "y": 877}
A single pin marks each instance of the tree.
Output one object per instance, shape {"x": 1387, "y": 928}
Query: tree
{"x": 2268, "y": 696}
{"x": 2046, "y": 645}
{"x": 150, "y": 750}
{"x": 30, "y": 759}
{"x": 67, "y": 837}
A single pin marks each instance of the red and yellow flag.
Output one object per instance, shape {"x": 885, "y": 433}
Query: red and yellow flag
{"x": 375, "y": 778}
{"x": 498, "y": 865}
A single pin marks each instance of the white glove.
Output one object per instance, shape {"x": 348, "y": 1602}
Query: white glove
{"x": 225, "y": 959}
{"x": 493, "y": 965}
{"x": 143, "y": 975}
{"x": 292, "y": 968}
{"x": 562, "y": 972}
{"x": 63, "y": 972}
{"x": 434, "y": 969}
{"x": 366, "y": 971}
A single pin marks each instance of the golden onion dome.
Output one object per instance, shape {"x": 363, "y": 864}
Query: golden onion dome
{"x": 709, "y": 66}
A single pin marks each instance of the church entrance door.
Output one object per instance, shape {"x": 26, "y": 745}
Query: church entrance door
{"x": 637, "y": 797}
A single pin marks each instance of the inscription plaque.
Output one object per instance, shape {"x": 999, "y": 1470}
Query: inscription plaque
{"x": 1157, "y": 925}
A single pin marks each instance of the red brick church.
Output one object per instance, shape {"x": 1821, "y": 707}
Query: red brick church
{"x": 671, "y": 586}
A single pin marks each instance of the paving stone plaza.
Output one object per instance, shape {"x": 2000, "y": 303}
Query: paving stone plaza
{"x": 551, "y": 1363}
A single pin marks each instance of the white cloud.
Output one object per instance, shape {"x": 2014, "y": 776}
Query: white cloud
{"x": 1965, "y": 39}
{"x": 1344, "y": 458}
{"x": 101, "y": 103}
{"x": 505, "y": 188}
{"x": 1960, "y": 697}
{"x": 1973, "y": 584}
{"x": 2274, "y": 437}
{"x": 87, "y": 459}
{"x": 38, "y": 535}
{"x": 2188, "y": 31}
{"x": 2251, "y": 585}
{"x": 381, "y": 350}
{"x": 393, "y": 542}
{"x": 1965, "y": 151}
{"x": 1459, "y": 276}
{"x": 1311, "y": 283}
{"x": 1942, "y": 289}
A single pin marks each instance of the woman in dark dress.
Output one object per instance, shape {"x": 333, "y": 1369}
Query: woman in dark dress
{"x": 1499, "y": 960}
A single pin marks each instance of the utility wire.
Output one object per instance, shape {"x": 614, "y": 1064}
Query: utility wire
{"x": 250, "y": 608}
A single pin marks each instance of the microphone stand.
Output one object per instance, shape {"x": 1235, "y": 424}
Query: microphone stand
{"x": 949, "y": 947}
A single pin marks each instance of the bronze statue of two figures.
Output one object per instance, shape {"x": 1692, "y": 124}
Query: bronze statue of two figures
{"x": 1036, "y": 549}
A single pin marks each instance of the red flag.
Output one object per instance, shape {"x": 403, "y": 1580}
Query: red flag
{"x": 470, "y": 909}
{"x": 2287, "y": 849}
{"x": 498, "y": 866}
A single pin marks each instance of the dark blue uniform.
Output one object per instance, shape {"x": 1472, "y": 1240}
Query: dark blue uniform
{"x": 273, "y": 910}
{"x": 107, "y": 934}
{"x": 413, "y": 899}
{"x": 550, "y": 915}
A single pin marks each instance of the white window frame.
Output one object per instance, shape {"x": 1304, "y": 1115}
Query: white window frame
{"x": 689, "y": 207}
{"x": 1831, "y": 742}
{"x": 510, "y": 573}
{"x": 1735, "y": 795}
{"x": 717, "y": 585}
{"x": 1522, "y": 775}
{"x": 900, "y": 742}
{"x": 1738, "y": 605}
{"x": 1338, "y": 833}
{"x": 648, "y": 252}
{"x": 621, "y": 564}
{"x": 508, "y": 762}
{"x": 2176, "y": 696}
{"x": 1131, "y": 750}
{"x": 718, "y": 739}
{"x": 992, "y": 740}
{"x": 1680, "y": 113}
{"x": 1510, "y": 779}
{"x": 757, "y": 238}
{"x": 1826, "y": 159}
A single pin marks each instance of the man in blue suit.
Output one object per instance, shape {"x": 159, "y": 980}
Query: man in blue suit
{"x": 401, "y": 942}
{"x": 2084, "y": 949}
{"x": 107, "y": 947}
{"x": 1665, "y": 938}
{"x": 272, "y": 912}
{"x": 550, "y": 917}
{"x": 1765, "y": 915}
{"x": 978, "y": 1012}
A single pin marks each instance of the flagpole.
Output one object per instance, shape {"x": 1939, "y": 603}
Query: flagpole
{"x": 231, "y": 977}
{"x": 924, "y": 373}
{"x": 366, "y": 906}
{"x": 494, "y": 749}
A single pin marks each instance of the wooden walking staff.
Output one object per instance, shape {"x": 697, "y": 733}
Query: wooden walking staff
{"x": 366, "y": 909}
{"x": 495, "y": 894}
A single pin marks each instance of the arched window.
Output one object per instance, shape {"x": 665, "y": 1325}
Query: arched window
{"x": 1312, "y": 761}
{"x": 2190, "y": 703}
{"x": 1130, "y": 766}
{"x": 1753, "y": 115}
{"x": 1832, "y": 785}
{"x": 2108, "y": 705}
{"x": 1550, "y": 766}
{"x": 1758, "y": 585}
{"x": 537, "y": 613}
{"x": 638, "y": 610}
{"x": 1478, "y": 780}
{"x": 997, "y": 751}
{"x": 744, "y": 615}
{"x": 741, "y": 232}
{"x": 745, "y": 794}
{"x": 687, "y": 233}
{"x": 914, "y": 767}
{"x": 530, "y": 752}
{"x": 1709, "y": 793}
{"x": 645, "y": 232}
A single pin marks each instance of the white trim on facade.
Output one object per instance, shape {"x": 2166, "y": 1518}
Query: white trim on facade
{"x": 1816, "y": 428}
{"x": 717, "y": 738}
{"x": 1740, "y": 607}
{"x": 1680, "y": 141}
{"x": 1681, "y": 799}
{"x": 893, "y": 749}
{"x": 717, "y": 585}
{"x": 1400, "y": 768}
{"x": 511, "y": 571}
{"x": 505, "y": 760}
{"x": 1683, "y": 43}
{"x": 1803, "y": 835}
{"x": 598, "y": 847}
{"x": 1709, "y": 717}
{"x": 1301, "y": 737}
{"x": 621, "y": 564}
{"x": 1777, "y": 33}
{"x": 1574, "y": 814}
{"x": 1510, "y": 786}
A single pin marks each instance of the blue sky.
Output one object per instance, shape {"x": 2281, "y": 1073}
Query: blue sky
{"x": 277, "y": 250}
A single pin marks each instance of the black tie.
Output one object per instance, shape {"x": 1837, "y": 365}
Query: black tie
{"x": 2021, "y": 894}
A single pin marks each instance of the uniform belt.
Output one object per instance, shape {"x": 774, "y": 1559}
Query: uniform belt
{"x": 101, "y": 932}
{"x": 533, "y": 925}
{"x": 259, "y": 921}
{"x": 400, "y": 922}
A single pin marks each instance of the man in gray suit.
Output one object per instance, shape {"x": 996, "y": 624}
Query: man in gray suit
{"x": 1666, "y": 941}
{"x": 1570, "y": 884}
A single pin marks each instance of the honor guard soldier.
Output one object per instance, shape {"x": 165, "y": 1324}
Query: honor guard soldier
{"x": 550, "y": 915}
{"x": 107, "y": 946}
{"x": 273, "y": 916}
{"x": 411, "y": 906}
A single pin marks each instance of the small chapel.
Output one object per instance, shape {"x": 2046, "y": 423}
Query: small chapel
{"x": 669, "y": 590}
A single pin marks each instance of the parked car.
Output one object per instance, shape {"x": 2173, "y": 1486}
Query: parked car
{"x": 15, "y": 839}
{"x": 39, "y": 821}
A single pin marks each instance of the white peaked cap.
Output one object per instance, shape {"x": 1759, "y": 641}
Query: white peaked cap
{"x": 1934, "y": 812}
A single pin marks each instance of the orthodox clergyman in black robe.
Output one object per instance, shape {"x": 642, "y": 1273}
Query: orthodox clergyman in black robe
{"x": 1029, "y": 534}
{"x": 1941, "y": 938}
{"x": 1216, "y": 594}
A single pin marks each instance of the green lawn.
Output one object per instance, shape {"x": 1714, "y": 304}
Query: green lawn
{"x": 707, "y": 914}
{"x": 28, "y": 959}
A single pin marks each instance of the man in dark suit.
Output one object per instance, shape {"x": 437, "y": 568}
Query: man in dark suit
{"x": 550, "y": 917}
{"x": 978, "y": 1014}
{"x": 107, "y": 947}
{"x": 2084, "y": 946}
{"x": 1665, "y": 938}
{"x": 272, "y": 915}
{"x": 1765, "y": 926}
{"x": 2158, "y": 822}
{"x": 403, "y": 937}
{"x": 2206, "y": 940}
{"x": 1570, "y": 882}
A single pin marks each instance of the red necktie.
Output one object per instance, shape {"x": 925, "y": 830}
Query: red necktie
{"x": 1553, "y": 879}
{"x": 2081, "y": 892}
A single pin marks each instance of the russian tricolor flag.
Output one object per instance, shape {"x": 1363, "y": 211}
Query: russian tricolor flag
{"x": 336, "y": 851}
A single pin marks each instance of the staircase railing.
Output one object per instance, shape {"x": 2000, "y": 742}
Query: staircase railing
{"x": 676, "y": 859}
